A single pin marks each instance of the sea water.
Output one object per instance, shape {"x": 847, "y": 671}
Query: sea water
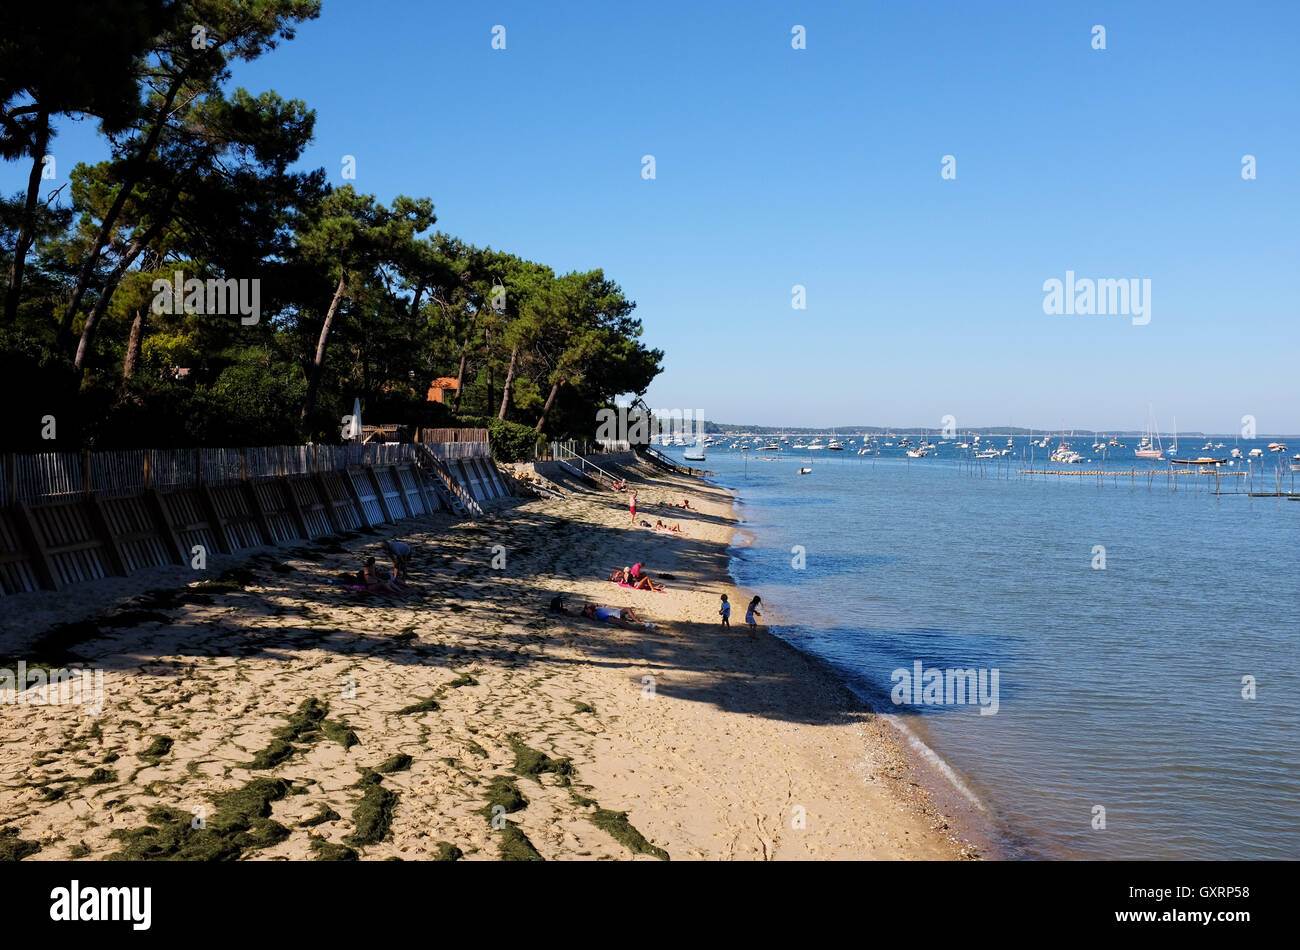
{"x": 1145, "y": 639}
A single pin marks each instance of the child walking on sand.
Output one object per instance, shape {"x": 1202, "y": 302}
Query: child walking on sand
{"x": 753, "y": 613}
{"x": 725, "y": 612}
{"x": 632, "y": 507}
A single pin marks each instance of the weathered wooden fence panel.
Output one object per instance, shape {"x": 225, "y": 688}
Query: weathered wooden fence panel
{"x": 134, "y": 528}
{"x": 391, "y": 491}
{"x": 417, "y": 502}
{"x": 313, "y": 508}
{"x": 282, "y": 517}
{"x": 68, "y": 517}
{"x": 18, "y": 572}
{"x": 237, "y": 517}
{"x": 66, "y": 536}
{"x": 367, "y": 496}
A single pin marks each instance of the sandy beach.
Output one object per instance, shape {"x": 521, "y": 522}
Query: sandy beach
{"x": 264, "y": 713}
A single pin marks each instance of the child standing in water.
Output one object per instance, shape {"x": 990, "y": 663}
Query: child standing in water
{"x": 725, "y": 612}
{"x": 753, "y": 613}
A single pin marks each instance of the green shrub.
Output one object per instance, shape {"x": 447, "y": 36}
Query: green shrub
{"x": 511, "y": 441}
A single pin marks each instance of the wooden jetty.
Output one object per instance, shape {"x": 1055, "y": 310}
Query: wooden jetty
{"x": 1133, "y": 473}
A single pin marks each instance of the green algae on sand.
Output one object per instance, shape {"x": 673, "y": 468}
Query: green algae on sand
{"x": 424, "y": 705}
{"x": 328, "y": 851}
{"x": 448, "y": 852}
{"x": 532, "y": 763}
{"x": 372, "y": 819}
{"x": 306, "y": 724}
{"x": 323, "y": 814}
{"x": 515, "y": 845}
{"x": 241, "y": 821}
{"x": 14, "y": 848}
{"x": 160, "y": 746}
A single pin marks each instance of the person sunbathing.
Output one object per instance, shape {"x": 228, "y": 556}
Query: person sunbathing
{"x": 620, "y": 484}
{"x": 619, "y": 576}
{"x": 378, "y": 580}
{"x": 645, "y": 583}
{"x": 686, "y": 503}
{"x": 610, "y": 614}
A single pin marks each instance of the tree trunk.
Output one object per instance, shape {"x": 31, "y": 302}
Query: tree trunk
{"x": 460, "y": 381}
{"x": 510, "y": 378}
{"x": 133, "y": 345}
{"x": 313, "y": 384}
{"x": 26, "y": 231}
{"x": 550, "y": 401}
{"x": 124, "y": 191}
{"x": 487, "y": 352}
{"x": 415, "y": 310}
{"x": 138, "y": 244}
{"x": 110, "y": 287}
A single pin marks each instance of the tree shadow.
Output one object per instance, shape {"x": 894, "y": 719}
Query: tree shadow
{"x": 500, "y": 614}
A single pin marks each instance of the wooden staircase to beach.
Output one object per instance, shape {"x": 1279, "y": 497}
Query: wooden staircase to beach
{"x": 455, "y": 495}
{"x": 655, "y": 457}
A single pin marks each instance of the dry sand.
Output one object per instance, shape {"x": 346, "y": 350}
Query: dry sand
{"x": 714, "y": 744}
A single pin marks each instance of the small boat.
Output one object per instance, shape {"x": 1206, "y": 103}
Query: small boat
{"x": 693, "y": 455}
{"x": 1203, "y": 460}
{"x": 1277, "y": 446}
{"x": 917, "y": 453}
{"x": 1149, "y": 447}
{"x": 805, "y": 471}
{"x": 835, "y": 446}
{"x": 1256, "y": 453}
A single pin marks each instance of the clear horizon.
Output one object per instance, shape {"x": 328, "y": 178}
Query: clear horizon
{"x": 822, "y": 168}
{"x": 1017, "y": 430}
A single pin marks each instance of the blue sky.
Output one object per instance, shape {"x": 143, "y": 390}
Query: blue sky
{"x": 821, "y": 167}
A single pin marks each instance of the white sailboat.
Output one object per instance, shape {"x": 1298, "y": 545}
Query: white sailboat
{"x": 1147, "y": 448}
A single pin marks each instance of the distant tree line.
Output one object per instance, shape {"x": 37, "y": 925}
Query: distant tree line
{"x": 202, "y": 190}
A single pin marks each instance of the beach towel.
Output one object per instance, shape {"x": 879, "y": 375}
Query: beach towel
{"x": 634, "y": 587}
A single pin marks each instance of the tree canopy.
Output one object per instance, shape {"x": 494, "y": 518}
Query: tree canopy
{"x": 199, "y": 286}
